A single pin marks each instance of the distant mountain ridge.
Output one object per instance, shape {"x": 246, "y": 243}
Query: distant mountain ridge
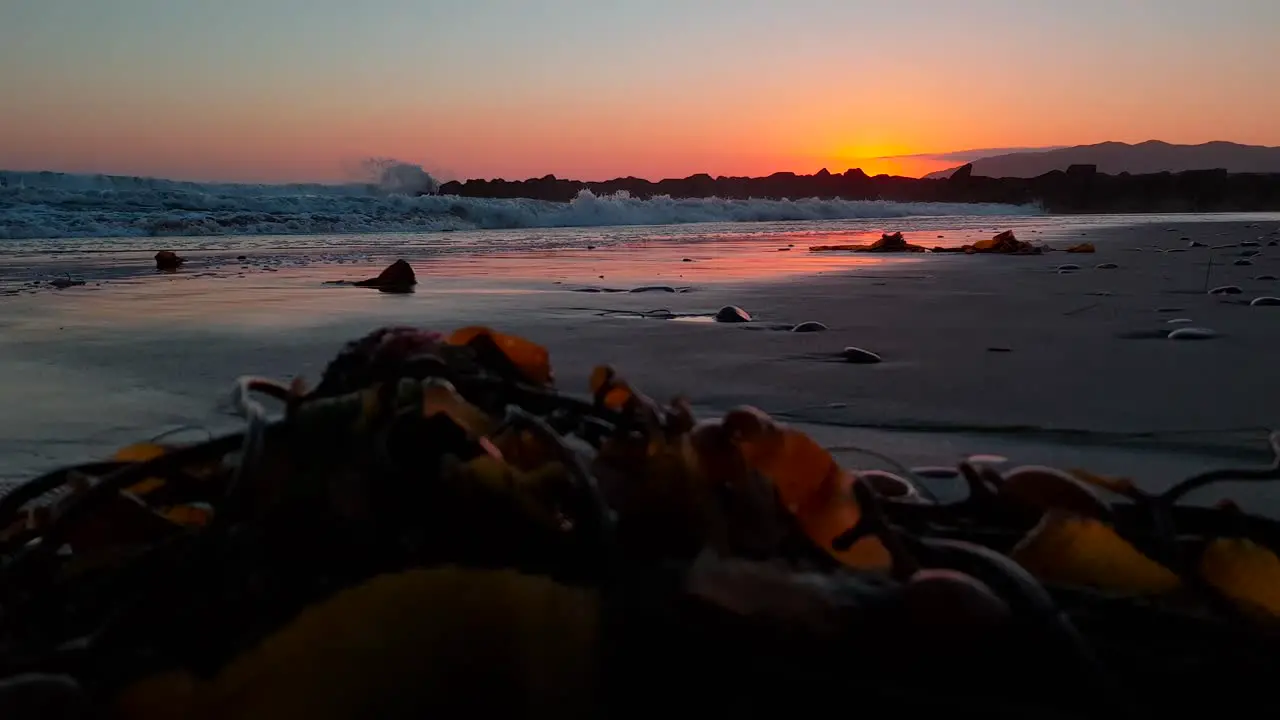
{"x": 1114, "y": 158}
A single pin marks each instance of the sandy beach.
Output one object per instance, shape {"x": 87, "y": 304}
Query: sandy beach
{"x": 980, "y": 353}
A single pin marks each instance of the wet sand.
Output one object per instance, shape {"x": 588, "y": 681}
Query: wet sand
{"x": 980, "y": 354}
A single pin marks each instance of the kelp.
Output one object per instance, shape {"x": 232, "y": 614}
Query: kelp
{"x": 315, "y": 563}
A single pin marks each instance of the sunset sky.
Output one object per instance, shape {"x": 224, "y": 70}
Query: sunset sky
{"x": 277, "y": 90}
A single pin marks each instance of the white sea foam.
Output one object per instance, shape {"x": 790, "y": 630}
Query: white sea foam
{"x": 59, "y": 205}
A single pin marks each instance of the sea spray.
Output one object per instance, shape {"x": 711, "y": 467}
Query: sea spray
{"x": 59, "y": 205}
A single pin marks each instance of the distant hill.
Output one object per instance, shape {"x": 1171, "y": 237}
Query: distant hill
{"x": 1114, "y": 158}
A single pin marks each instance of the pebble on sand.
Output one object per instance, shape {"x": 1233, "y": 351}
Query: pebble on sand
{"x": 732, "y": 314}
{"x": 1196, "y": 243}
{"x": 1068, "y": 267}
{"x": 1226, "y": 290}
{"x": 1106, "y": 266}
{"x": 1265, "y": 301}
{"x": 1192, "y": 333}
{"x": 1261, "y": 278}
{"x": 1179, "y": 321}
{"x": 809, "y": 326}
{"x": 1242, "y": 262}
{"x": 858, "y": 356}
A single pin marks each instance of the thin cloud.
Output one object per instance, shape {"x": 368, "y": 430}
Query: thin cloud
{"x": 971, "y": 155}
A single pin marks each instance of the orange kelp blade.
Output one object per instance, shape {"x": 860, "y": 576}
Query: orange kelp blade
{"x": 140, "y": 453}
{"x": 1245, "y": 572}
{"x": 1068, "y": 549}
{"x": 531, "y": 359}
{"x": 809, "y": 482}
{"x": 445, "y": 642}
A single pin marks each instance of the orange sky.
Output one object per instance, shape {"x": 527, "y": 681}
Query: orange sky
{"x": 275, "y": 90}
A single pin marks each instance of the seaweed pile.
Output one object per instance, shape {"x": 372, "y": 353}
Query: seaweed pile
{"x": 436, "y": 529}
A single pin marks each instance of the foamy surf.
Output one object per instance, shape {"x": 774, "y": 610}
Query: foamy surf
{"x": 60, "y": 205}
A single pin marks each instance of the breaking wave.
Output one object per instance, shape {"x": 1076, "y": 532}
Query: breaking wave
{"x": 38, "y": 205}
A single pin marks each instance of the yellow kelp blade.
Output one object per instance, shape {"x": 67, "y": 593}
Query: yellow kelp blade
{"x": 533, "y": 360}
{"x": 809, "y": 482}
{"x": 1072, "y": 550}
{"x": 440, "y": 642}
{"x": 1244, "y": 571}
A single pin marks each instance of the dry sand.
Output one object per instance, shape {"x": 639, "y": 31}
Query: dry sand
{"x": 1086, "y": 378}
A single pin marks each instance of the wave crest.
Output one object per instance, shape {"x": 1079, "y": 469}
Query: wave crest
{"x": 36, "y": 205}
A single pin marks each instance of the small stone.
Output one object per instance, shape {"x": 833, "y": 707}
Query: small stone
{"x": 809, "y": 326}
{"x": 242, "y": 257}
{"x": 1179, "y": 321}
{"x": 1192, "y": 333}
{"x": 1226, "y": 290}
{"x": 732, "y": 314}
{"x": 687, "y": 260}
{"x": 1265, "y": 301}
{"x": 1263, "y": 278}
{"x": 858, "y": 356}
{"x": 1068, "y": 267}
{"x": 1196, "y": 244}
{"x": 1273, "y": 243}
{"x": 786, "y": 249}
{"x": 65, "y": 282}
{"x": 591, "y": 247}
{"x": 1107, "y": 266}
{"x": 1242, "y": 262}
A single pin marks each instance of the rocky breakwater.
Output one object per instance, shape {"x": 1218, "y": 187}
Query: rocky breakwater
{"x": 1079, "y": 189}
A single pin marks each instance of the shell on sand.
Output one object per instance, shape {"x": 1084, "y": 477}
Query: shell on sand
{"x": 1192, "y": 333}
{"x": 858, "y": 356}
{"x": 1068, "y": 267}
{"x": 1265, "y": 301}
{"x": 1226, "y": 290}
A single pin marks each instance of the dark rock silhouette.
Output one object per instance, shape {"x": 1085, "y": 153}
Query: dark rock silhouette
{"x": 397, "y": 278}
{"x": 1082, "y": 188}
{"x": 168, "y": 260}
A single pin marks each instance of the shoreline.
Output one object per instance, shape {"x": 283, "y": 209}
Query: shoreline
{"x": 97, "y": 367}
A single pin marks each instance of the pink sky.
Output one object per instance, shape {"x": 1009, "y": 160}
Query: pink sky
{"x": 265, "y": 91}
